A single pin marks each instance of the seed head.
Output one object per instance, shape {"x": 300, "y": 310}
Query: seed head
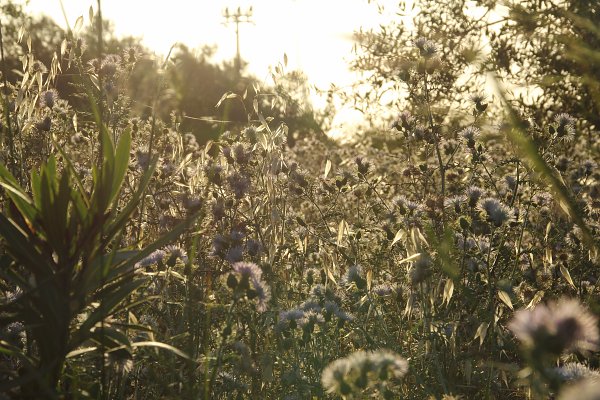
{"x": 559, "y": 326}
{"x": 48, "y": 98}
{"x": 249, "y": 279}
{"x": 586, "y": 389}
{"x": 362, "y": 370}
{"x": 496, "y": 212}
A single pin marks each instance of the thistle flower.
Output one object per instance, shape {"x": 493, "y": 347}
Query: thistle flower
{"x": 362, "y": 165}
{"x": 383, "y": 289}
{"x": 142, "y": 159}
{"x": 405, "y": 120}
{"x": 427, "y": 48}
{"x": 420, "y": 42}
{"x": 220, "y": 245}
{"x": 247, "y": 278}
{"x": 331, "y": 309}
{"x": 48, "y": 98}
{"x": 420, "y": 270}
{"x": 234, "y": 254}
{"x": 511, "y": 182}
{"x": 407, "y": 206}
{"x": 354, "y": 275}
{"x": 556, "y": 327}
{"x": 588, "y": 167}
{"x": 131, "y": 54}
{"x": 566, "y": 127}
{"x": 455, "y": 203}
{"x": 110, "y": 65}
{"x": 420, "y": 132}
{"x": 214, "y": 173}
{"x": 245, "y": 360}
{"x": 227, "y": 154}
{"x": 310, "y": 319}
{"x": 218, "y": 210}
{"x": 289, "y": 319}
{"x": 80, "y": 46}
{"x": 44, "y": 125}
{"x": 586, "y": 389}
{"x": 362, "y": 370}
{"x": 191, "y": 202}
{"x": 469, "y": 134}
{"x": 461, "y": 243}
{"x": 38, "y": 66}
{"x": 478, "y": 98}
{"x": 236, "y": 236}
{"x": 250, "y": 133}
{"x": 496, "y": 212}
{"x": 564, "y": 119}
{"x": 239, "y": 184}
{"x": 474, "y": 193}
{"x": 176, "y": 252}
{"x": 575, "y": 371}
{"x": 240, "y": 154}
{"x": 310, "y": 305}
{"x": 253, "y": 247}
{"x": 153, "y": 258}
{"x": 334, "y": 377}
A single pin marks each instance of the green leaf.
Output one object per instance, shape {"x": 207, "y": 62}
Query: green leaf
{"x": 160, "y": 243}
{"x": 22, "y": 250}
{"x": 118, "y": 223}
{"x": 67, "y": 160}
{"x": 121, "y": 163}
{"x": 109, "y": 300}
{"x": 18, "y": 196}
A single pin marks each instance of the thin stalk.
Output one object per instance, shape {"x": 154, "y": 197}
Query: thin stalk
{"x": 11, "y": 144}
{"x": 436, "y": 140}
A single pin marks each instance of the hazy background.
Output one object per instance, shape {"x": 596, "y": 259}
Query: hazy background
{"x": 315, "y": 35}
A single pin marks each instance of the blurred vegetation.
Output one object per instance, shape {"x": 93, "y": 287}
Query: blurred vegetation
{"x": 544, "y": 52}
{"x": 188, "y": 90}
{"x": 168, "y": 231}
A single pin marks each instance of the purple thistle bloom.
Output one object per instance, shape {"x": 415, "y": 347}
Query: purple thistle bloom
{"x": 248, "y": 269}
{"x": 235, "y": 254}
{"x": 153, "y": 258}
{"x": 239, "y": 184}
{"x": 559, "y": 326}
{"x": 474, "y": 193}
{"x": 48, "y": 98}
{"x": 496, "y": 212}
{"x": 177, "y": 252}
{"x": 257, "y": 289}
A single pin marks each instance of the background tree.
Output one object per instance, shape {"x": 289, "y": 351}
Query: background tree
{"x": 543, "y": 50}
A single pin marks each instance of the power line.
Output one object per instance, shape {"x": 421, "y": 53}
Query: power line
{"x": 238, "y": 17}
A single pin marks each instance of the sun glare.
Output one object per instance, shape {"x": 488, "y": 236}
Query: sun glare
{"x": 315, "y": 35}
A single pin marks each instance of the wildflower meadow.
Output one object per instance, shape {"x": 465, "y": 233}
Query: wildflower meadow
{"x": 449, "y": 249}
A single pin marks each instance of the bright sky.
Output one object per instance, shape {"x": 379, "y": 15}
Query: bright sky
{"x": 316, "y": 35}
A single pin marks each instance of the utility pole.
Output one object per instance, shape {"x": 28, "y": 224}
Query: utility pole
{"x": 238, "y": 17}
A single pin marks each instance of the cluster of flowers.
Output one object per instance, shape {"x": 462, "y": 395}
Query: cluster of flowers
{"x": 362, "y": 370}
{"x": 169, "y": 255}
{"x": 246, "y": 280}
{"x": 562, "y": 326}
